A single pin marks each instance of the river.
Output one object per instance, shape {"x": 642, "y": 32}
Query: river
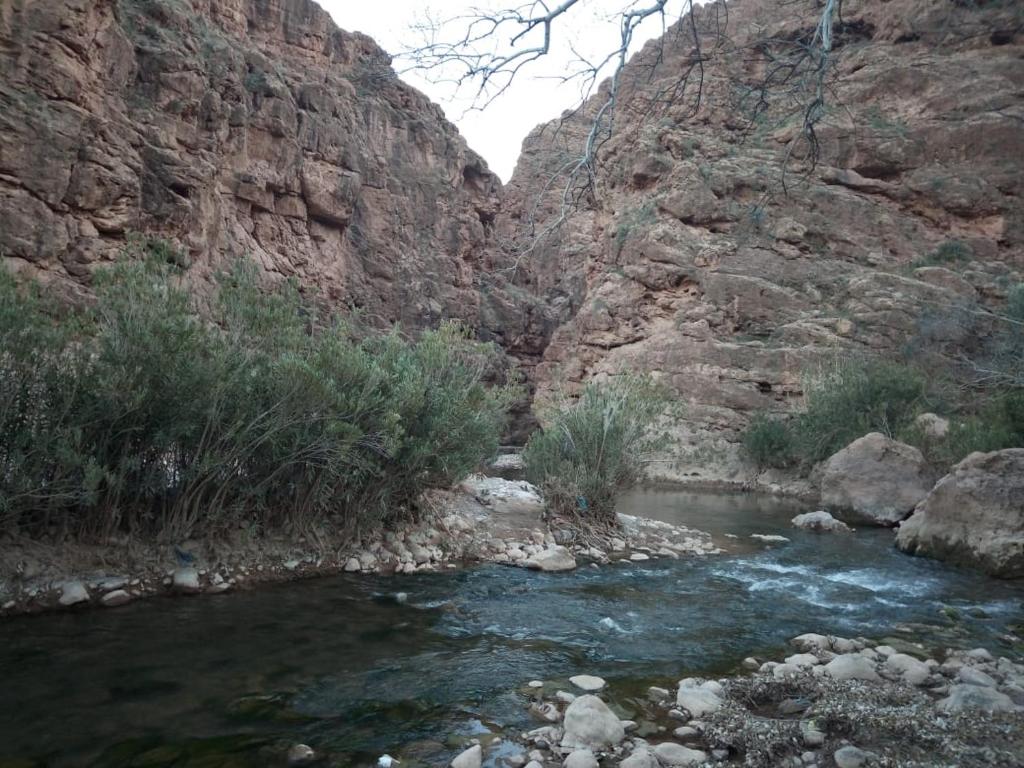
{"x": 354, "y": 669}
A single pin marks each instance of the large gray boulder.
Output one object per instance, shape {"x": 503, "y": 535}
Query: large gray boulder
{"x": 554, "y": 558}
{"x": 974, "y": 515}
{"x": 590, "y": 724}
{"x": 876, "y": 479}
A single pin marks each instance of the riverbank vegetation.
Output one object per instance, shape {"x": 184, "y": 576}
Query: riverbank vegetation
{"x": 140, "y": 414}
{"x": 595, "y": 445}
{"x": 980, "y": 391}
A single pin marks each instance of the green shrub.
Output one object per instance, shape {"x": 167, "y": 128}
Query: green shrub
{"x": 851, "y": 398}
{"x": 769, "y": 442}
{"x": 140, "y": 415}
{"x": 999, "y": 424}
{"x": 951, "y": 252}
{"x": 594, "y": 446}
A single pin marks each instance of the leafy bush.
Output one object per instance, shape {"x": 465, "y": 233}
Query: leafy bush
{"x": 770, "y": 442}
{"x": 594, "y": 446}
{"x": 999, "y": 424}
{"x": 140, "y": 415}
{"x": 842, "y": 403}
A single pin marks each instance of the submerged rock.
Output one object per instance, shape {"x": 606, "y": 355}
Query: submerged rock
{"x": 471, "y": 758}
{"x": 590, "y": 724}
{"x": 588, "y": 683}
{"x": 819, "y": 521}
{"x": 974, "y": 515}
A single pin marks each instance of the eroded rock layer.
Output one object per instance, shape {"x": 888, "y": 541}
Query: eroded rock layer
{"x": 234, "y": 127}
{"x": 691, "y": 260}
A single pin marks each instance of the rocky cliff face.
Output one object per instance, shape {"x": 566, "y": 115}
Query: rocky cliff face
{"x": 689, "y": 258}
{"x": 234, "y": 127}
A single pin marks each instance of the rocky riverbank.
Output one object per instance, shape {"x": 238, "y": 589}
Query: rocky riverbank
{"x": 832, "y": 701}
{"x": 484, "y": 520}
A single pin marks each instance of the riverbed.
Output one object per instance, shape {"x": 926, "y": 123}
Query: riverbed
{"x": 357, "y": 666}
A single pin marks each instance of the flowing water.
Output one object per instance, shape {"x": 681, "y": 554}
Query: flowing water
{"x": 341, "y": 664}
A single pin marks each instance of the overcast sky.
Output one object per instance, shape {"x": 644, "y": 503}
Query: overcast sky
{"x": 497, "y": 132}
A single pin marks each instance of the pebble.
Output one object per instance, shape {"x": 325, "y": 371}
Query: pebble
{"x": 535, "y": 684}
{"x": 588, "y": 683}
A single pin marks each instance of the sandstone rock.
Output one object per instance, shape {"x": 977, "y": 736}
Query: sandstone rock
{"x": 974, "y": 515}
{"x": 470, "y": 758}
{"x": 934, "y": 427}
{"x": 876, "y": 478}
{"x": 819, "y": 521}
{"x": 554, "y": 558}
{"x": 851, "y": 666}
{"x": 670, "y": 754}
{"x": 590, "y": 724}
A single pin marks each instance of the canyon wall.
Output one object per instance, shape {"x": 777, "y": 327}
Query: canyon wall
{"x": 695, "y": 259}
{"x": 235, "y": 128}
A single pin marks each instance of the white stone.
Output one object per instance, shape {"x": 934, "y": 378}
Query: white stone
{"x": 769, "y": 538}
{"x": 72, "y": 593}
{"x": 820, "y": 521}
{"x": 671, "y": 754}
{"x": 640, "y": 758}
{"x": 639, "y": 557}
{"x": 352, "y": 565}
{"x": 186, "y": 580}
{"x": 580, "y": 758}
{"x": 115, "y": 597}
{"x": 851, "y": 666}
{"x": 590, "y": 724}
{"x": 850, "y": 757}
{"x": 697, "y": 700}
{"x": 910, "y": 669}
{"x": 299, "y": 754}
{"x": 588, "y": 683}
{"x": 555, "y": 558}
{"x": 471, "y": 758}
{"x": 803, "y": 660}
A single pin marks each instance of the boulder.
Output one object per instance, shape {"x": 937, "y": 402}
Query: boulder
{"x": 851, "y": 666}
{"x": 851, "y": 757}
{"x": 974, "y": 515}
{"x": 115, "y": 598}
{"x": 819, "y": 521}
{"x": 875, "y": 478}
{"x": 554, "y": 558}
{"x": 671, "y": 754}
{"x": 590, "y": 724}
{"x": 471, "y": 758}
{"x": 963, "y": 697}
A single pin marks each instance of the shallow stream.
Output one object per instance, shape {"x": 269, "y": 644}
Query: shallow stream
{"x": 340, "y": 664}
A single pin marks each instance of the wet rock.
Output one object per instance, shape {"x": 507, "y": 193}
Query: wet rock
{"x": 876, "y": 478}
{"x": 580, "y": 758}
{"x": 671, "y": 754}
{"x": 851, "y": 666}
{"x": 588, "y": 683}
{"x": 697, "y": 699}
{"x": 590, "y": 724}
{"x": 546, "y": 711}
{"x": 803, "y": 660}
{"x": 639, "y": 557}
{"x": 850, "y": 757}
{"x": 658, "y": 694}
{"x": 115, "y": 598}
{"x": 73, "y": 593}
{"x": 471, "y": 758}
{"x": 973, "y": 515}
{"x": 555, "y": 558}
{"x": 819, "y": 521}
{"x": 352, "y": 565}
{"x": 186, "y": 581}
{"x": 565, "y": 697}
